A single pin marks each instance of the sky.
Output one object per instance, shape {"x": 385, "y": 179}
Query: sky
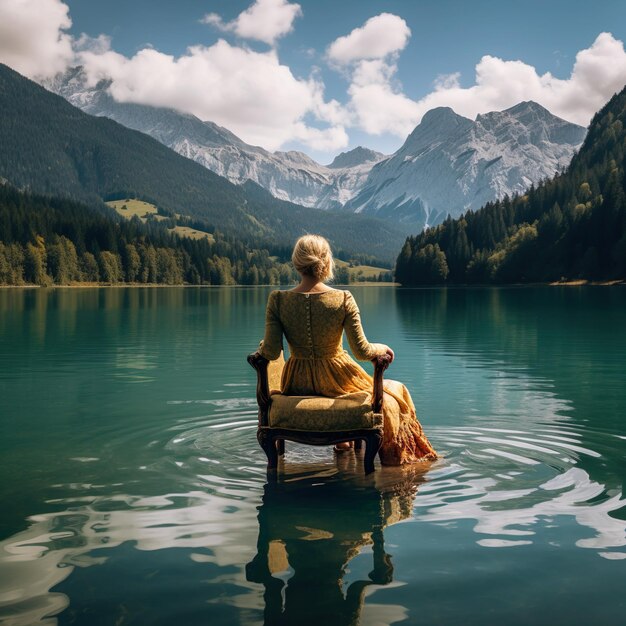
{"x": 325, "y": 76}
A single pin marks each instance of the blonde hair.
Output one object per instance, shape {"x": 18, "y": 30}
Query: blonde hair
{"x": 312, "y": 256}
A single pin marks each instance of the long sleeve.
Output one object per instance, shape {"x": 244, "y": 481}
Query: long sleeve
{"x": 272, "y": 343}
{"x": 362, "y": 349}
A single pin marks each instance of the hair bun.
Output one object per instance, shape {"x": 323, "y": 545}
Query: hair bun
{"x": 312, "y": 256}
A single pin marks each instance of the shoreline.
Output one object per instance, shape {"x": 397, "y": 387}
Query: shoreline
{"x": 568, "y": 283}
{"x": 583, "y": 282}
{"x": 178, "y": 286}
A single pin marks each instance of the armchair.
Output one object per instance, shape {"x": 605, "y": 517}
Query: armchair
{"x": 317, "y": 420}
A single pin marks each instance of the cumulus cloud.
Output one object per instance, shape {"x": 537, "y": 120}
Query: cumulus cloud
{"x": 98, "y": 45}
{"x": 598, "y": 72}
{"x": 32, "y": 37}
{"x": 378, "y": 104}
{"x": 323, "y": 139}
{"x": 265, "y": 20}
{"x": 248, "y": 92}
{"x": 380, "y": 36}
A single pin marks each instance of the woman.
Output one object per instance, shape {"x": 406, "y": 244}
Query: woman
{"x": 313, "y": 316}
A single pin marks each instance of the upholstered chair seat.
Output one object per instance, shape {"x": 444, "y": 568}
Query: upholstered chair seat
{"x": 350, "y": 412}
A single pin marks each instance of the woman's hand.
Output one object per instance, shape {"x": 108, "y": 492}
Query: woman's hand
{"x": 390, "y": 354}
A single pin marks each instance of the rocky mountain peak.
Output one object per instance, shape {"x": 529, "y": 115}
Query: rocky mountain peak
{"x": 529, "y": 107}
{"x": 439, "y": 115}
{"x": 298, "y": 158}
{"x": 450, "y": 163}
{"x": 436, "y": 125}
{"x": 356, "y": 156}
{"x": 530, "y": 123}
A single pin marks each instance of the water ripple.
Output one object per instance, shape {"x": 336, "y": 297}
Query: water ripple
{"x": 537, "y": 474}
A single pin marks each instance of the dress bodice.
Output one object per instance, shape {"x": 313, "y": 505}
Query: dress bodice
{"x": 313, "y": 324}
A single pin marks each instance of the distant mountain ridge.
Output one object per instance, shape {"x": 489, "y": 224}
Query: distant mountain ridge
{"x": 448, "y": 164}
{"x": 49, "y": 146}
{"x": 291, "y": 176}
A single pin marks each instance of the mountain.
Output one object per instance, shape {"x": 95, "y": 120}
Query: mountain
{"x": 447, "y": 164}
{"x": 291, "y": 176}
{"x": 450, "y": 163}
{"x": 354, "y": 158}
{"x": 49, "y": 146}
{"x": 571, "y": 226}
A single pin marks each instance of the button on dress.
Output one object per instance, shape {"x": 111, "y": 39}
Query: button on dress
{"x": 313, "y": 324}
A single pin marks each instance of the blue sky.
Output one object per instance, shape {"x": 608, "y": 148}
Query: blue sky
{"x": 447, "y": 36}
{"x": 301, "y": 96}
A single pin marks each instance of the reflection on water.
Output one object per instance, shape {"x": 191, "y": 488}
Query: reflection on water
{"x": 35, "y": 561}
{"x": 135, "y": 491}
{"x": 310, "y": 530}
{"x": 310, "y": 526}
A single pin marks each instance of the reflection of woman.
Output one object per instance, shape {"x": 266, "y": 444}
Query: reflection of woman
{"x": 312, "y": 316}
{"x": 315, "y": 530}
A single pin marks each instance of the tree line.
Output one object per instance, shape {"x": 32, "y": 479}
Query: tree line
{"x": 569, "y": 227}
{"x": 47, "y": 240}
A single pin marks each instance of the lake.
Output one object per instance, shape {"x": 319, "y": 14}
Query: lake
{"x": 134, "y": 492}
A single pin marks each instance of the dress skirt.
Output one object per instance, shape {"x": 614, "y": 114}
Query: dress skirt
{"x": 404, "y": 440}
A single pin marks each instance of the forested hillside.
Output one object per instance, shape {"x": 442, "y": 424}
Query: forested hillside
{"x": 569, "y": 227}
{"x": 59, "y": 241}
{"x": 48, "y": 146}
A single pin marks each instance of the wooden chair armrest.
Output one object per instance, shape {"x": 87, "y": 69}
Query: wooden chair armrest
{"x": 381, "y": 363}
{"x": 260, "y": 364}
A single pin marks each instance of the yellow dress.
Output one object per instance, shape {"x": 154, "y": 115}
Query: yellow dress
{"x": 313, "y": 325}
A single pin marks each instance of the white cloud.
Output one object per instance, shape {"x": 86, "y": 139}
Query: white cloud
{"x": 259, "y": 98}
{"x": 324, "y": 140}
{"x": 447, "y": 81}
{"x": 32, "y": 40}
{"x": 265, "y": 20}
{"x": 599, "y": 71}
{"x": 380, "y": 36}
{"x": 378, "y": 109}
{"x": 248, "y": 92}
{"x": 379, "y": 105}
{"x": 98, "y": 45}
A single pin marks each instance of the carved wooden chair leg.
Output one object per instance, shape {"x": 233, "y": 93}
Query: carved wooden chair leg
{"x": 280, "y": 447}
{"x": 358, "y": 444}
{"x": 373, "y": 442}
{"x": 266, "y": 441}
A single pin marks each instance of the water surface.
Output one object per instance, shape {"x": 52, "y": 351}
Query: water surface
{"x": 133, "y": 490}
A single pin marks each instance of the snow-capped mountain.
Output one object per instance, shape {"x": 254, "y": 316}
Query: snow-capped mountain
{"x": 291, "y": 176}
{"x": 449, "y": 163}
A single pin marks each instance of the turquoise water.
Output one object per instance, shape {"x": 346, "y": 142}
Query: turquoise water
{"x": 133, "y": 490}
